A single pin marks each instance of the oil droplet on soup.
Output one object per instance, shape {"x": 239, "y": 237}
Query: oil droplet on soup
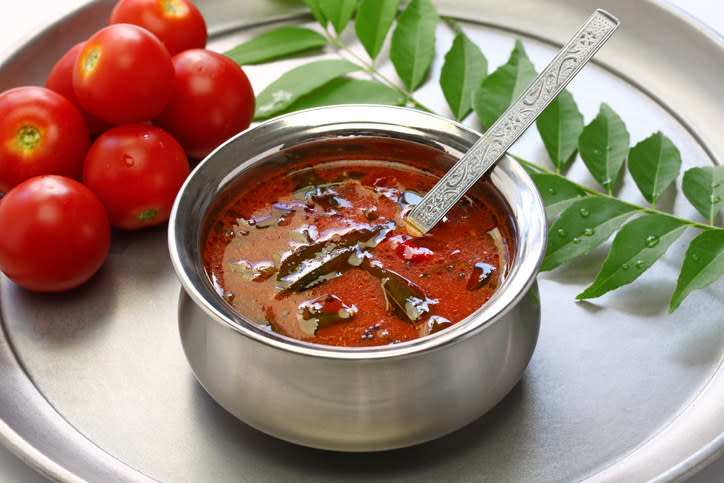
{"x": 322, "y": 254}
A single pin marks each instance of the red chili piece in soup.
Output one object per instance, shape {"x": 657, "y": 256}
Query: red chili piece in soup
{"x": 322, "y": 254}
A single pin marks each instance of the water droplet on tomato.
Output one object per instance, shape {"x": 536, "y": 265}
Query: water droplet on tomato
{"x": 128, "y": 160}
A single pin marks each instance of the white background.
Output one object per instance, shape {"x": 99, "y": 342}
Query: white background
{"x": 20, "y": 19}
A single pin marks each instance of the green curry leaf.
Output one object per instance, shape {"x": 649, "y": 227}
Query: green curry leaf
{"x": 315, "y": 8}
{"x": 337, "y": 12}
{"x": 603, "y": 146}
{"x": 654, "y": 164}
{"x": 703, "y": 264}
{"x": 583, "y": 226}
{"x": 704, "y": 188}
{"x": 350, "y": 91}
{"x": 502, "y": 87}
{"x": 557, "y": 192}
{"x": 637, "y": 245}
{"x": 464, "y": 69}
{"x": 412, "y": 45}
{"x": 373, "y": 22}
{"x": 559, "y": 126}
{"x": 276, "y": 43}
{"x": 294, "y": 84}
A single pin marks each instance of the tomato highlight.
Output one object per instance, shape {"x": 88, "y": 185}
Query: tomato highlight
{"x": 136, "y": 170}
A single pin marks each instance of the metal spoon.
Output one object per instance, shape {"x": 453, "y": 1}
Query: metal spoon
{"x": 512, "y": 123}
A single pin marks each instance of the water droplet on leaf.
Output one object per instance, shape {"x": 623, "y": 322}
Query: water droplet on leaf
{"x": 576, "y": 240}
{"x": 652, "y": 241}
{"x": 625, "y": 266}
{"x": 584, "y": 212}
{"x": 562, "y": 233}
{"x": 640, "y": 264}
{"x": 589, "y": 232}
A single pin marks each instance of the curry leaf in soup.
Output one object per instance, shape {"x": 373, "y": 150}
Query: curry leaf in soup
{"x": 412, "y": 45}
{"x": 407, "y": 297}
{"x": 559, "y": 126}
{"x": 583, "y": 226}
{"x": 276, "y": 43}
{"x": 704, "y": 188}
{"x": 315, "y": 8}
{"x": 309, "y": 264}
{"x": 373, "y": 22}
{"x": 349, "y": 91}
{"x": 292, "y": 85}
{"x": 654, "y": 164}
{"x": 503, "y": 86}
{"x": 703, "y": 264}
{"x": 637, "y": 245}
{"x": 337, "y": 12}
{"x": 603, "y": 146}
{"x": 326, "y": 310}
{"x": 557, "y": 192}
{"x": 464, "y": 69}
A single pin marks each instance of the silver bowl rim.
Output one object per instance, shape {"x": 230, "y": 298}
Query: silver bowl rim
{"x": 516, "y": 285}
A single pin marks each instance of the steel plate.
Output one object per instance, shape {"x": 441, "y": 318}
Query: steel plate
{"x": 95, "y": 385}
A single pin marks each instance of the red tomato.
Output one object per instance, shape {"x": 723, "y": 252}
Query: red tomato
{"x": 123, "y": 74}
{"x": 60, "y": 80}
{"x": 177, "y": 23}
{"x": 41, "y": 132}
{"x": 55, "y": 234}
{"x": 212, "y": 100}
{"x": 136, "y": 170}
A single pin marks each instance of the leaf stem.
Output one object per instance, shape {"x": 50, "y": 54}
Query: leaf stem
{"x": 370, "y": 68}
{"x": 638, "y": 208}
{"x": 453, "y": 24}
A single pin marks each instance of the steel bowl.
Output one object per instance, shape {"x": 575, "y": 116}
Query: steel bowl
{"x": 355, "y": 399}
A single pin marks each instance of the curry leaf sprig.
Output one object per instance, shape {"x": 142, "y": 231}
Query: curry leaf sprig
{"x": 582, "y": 218}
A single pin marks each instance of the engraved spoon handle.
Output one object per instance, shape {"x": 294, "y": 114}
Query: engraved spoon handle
{"x": 513, "y": 122}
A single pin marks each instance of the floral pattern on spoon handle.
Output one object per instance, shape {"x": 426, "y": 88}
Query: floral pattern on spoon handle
{"x": 513, "y": 122}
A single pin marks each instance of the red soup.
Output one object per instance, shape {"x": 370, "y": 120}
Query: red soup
{"x": 316, "y": 248}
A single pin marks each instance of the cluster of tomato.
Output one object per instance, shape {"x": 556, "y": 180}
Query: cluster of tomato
{"x": 107, "y": 141}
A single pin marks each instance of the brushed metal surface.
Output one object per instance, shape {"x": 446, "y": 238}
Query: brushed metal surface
{"x": 616, "y": 390}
